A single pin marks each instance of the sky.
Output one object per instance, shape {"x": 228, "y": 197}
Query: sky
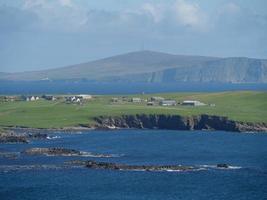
{"x": 44, "y": 34}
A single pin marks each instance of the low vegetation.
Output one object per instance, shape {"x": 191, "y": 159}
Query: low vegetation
{"x": 246, "y": 106}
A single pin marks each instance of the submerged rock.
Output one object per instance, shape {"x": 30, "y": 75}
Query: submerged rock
{"x": 9, "y": 155}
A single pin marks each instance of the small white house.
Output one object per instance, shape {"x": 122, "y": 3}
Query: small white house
{"x": 74, "y": 99}
{"x": 32, "y": 98}
{"x": 192, "y": 103}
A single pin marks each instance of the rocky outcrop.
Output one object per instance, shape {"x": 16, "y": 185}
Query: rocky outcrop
{"x": 36, "y": 135}
{"x": 58, "y": 151}
{"x": 177, "y": 122}
{"x": 222, "y": 165}
{"x": 115, "y": 166}
{"x": 14, "y": 137}
{"x": 52, "y": 151}
{"x": 11, "y": 137}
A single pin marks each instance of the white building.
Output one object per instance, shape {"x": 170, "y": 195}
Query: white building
{"x": 136, "y": 100}
{"x": 157, "y": 99}
{"x": 32, "y": 98}
{"x": 85, "y": 96}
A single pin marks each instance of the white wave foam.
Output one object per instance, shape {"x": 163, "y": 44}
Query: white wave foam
{"x": 216, "y": 167}
{"x": 52, "y": 137}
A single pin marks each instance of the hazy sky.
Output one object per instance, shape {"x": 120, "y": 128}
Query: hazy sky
{"x": 40, "y": 34}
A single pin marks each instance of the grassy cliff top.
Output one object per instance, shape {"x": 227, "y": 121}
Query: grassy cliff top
{"x": 244, "y": 106}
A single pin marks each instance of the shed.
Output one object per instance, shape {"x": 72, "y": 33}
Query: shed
{"x": 192, "y": 103}
{"x": 168, "y": 103}
{"x": 157, "y": 99}
{"x": 136, "y": 100}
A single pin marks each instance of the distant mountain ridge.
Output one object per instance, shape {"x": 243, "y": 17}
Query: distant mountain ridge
{"x": 150, "y": 66}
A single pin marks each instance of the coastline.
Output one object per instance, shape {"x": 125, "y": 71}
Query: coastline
{"x": 160, "y": 122}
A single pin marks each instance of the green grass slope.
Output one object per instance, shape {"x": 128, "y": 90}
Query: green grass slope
{"x": 244, "y": 106}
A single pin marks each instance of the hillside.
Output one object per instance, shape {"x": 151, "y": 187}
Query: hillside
{"x": 245, "y": 106}
{"x": 149, "y": 66}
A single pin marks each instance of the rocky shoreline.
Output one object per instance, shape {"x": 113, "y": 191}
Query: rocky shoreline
{"x": 177, "y": 122}
{"x": 143, "y": 121}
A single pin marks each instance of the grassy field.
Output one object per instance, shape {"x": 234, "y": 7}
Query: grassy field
{"x": 244, "y": 106}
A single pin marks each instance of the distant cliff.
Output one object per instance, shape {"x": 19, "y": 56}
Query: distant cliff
{"x": 176, "y": 122}
{"x": 149, "y": 66}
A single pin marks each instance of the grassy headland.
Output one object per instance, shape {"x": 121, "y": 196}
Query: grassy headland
{"x": 245, "y": 106}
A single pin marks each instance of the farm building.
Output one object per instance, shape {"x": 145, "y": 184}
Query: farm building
{"x": 115, "y": 100}
{"x": 10, "y": 98}
{"x": 136, "y": 100}
{"x": 49, "y": 97}
{"x": 168, "y": 103}
{"x": 157, "y": 99}
{"x": 85, "y": 96}
{"x": 192, "y": 103}
{"x": 150, "y": 103}
{"x": 73, "y": 99}
{"x": 31, "y": 98}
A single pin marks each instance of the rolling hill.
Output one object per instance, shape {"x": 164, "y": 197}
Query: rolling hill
{"x": 150, "y": 66}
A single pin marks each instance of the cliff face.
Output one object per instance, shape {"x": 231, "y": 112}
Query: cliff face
{"x": 176, "y": 122}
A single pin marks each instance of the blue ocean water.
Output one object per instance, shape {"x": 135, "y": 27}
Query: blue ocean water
{"x": 247, "y": 153}
{"x": 64, "y": 87}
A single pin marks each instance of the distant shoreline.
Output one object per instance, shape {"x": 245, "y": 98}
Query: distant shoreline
{"x": 123, "y": 88}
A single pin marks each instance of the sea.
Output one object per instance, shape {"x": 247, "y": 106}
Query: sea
{"x": 98, "y": 88}
{"x": 44, "y": 177}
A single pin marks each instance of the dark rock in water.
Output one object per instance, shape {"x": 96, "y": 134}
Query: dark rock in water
{"x": 9, "y": 155}
{"x": 36, "y": 135}
{"x": 222, "y": 165}
{"x": 14, "y": 137}
{"x": 114, "y": 166}
{"x": 11, "y": 137}
{"x": 57, "y": 151}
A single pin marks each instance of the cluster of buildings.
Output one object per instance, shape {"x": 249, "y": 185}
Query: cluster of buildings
{"x": 30, "y": 98}
{"x": 69, "y": 98}
{"x": 158, "y": 101}
{"x": 78, "y": 98}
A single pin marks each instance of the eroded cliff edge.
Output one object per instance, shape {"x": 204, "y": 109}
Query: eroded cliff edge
{"x": 177, "y": 122}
